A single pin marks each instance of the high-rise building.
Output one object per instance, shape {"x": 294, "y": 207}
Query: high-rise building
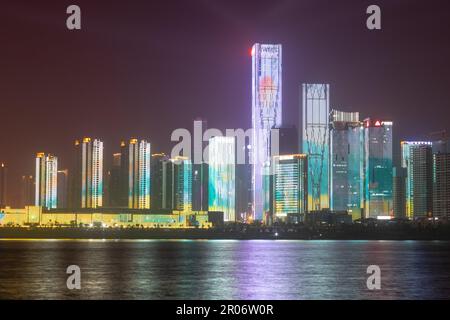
{"x": 157, "y": 178}
{"x": 222, "y": 176}
{"x": 315, "y": 132}
{"x": 182, "y": 183}
{"x": 199, "y": 168}
{"x": 138, "y": 155}
{"x": 63, "y": 184}
{"x": 441, "y": 185}
{"x": 266, "y": 115}
{"x": 399, "y": 192}
{"x": 346, "y": 162}
{"x": 3, "y": 177}
{"x": 46, "y": 184}
{"x": 417, "y": 158}
{"x": 290, "y": 186}
{"x": 288, "y": 140}
{"x": 377, "y": 186}
{"x": 87, "y": 183}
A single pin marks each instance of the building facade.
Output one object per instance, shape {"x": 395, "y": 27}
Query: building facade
{"x": 182, "y": 183}
{"x": 87, "y": 183}
{"x": 222, "y": 176}
{"x": 417, "y": 158}
{"x": 315, "y": 133}
{"x": 290, "y": 186}
{"x": 346, "y": 162}
{"x": 399, "y": 192}
{"x": 46, "y": 184}
{"x": 377, "y": 168}
{"x": 266, "y": 115}
{"x": 441, "y": 185}
{"x": 63, "y": 184}
{"x": 138, "y": 156}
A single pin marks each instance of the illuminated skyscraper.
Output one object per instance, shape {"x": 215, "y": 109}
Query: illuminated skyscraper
{"x": 182, "y": 183}
{"x": 417, "y": 158}
{"x": 290, "y": 186}
{"x": 266, "y": 114}
{"x": 377, "y": 168}
{"x": 87, "y": 190}
{"x": 222, "y": 176}
{"x": 199, "y": 168}
{"x": 346, "y": 161}
{"x": 138, "y": 155}
{"x": 3, "y": 177}
{"x": 46, "y": 186}
{"x": 316, "y": 112}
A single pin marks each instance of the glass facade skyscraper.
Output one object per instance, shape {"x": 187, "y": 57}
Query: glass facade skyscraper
{"x": 315, "y": 131}
{"x": 346, "y": 162}
{"x": 46, "y": 184}
{"x": 377, "y": 168}
{"x": 417, "y": 158}
{"x": 441, "y": 185}
{"x": 266, "y": 115}
{"x": 222, "y": 176}
{"x": 290, "y": 186}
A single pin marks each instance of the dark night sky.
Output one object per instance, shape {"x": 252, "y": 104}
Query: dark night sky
{"x": 144, "y": 68}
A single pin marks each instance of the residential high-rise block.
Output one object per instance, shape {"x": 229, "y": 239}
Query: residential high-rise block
{"x": 377, "y": 186}
{"x": 199, "y": 168}
{"x": 290, "y": 186}
{"x": 87, "y": 183}
{"x": 46, "y": 184}
{"x": 222, "y": 176}
{"x": 138, "y": 154}
{"x": 315, "y": 133}
{"x": 417, "y": 158}
{"x": 266, "y": 115}
{"x": 346, "y": 162}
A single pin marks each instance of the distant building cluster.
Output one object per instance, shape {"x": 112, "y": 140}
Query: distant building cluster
{"x": 337, "y": 161}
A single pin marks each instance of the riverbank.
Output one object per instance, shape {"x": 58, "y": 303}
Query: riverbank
{"x": 343, "y": 233}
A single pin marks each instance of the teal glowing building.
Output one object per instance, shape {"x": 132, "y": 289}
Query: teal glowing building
{"x": 182, "y": 183}
{"x": 46, "y": 184}
{"x": 138, "y": 157}
{"x": 346, "y": 162}
{"x": 87, "y": 183}
{"x": 222, "y": 176}
{"x": 377, "y": 168}
{"x": 290, "y": 186}
{"x": 315, "y": 132}
{"x": 417, "y": 158}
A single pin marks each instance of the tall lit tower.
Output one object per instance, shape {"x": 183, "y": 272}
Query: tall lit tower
{"x": 46, "y": 187}
{"x": 88, "y": 174}
{"x": 222, "y": 176}
{"x": 377, "y": 168}
{"x": 266, "y": 114}
{"x": 417, "y": 158}
{"x": 139, "y": 174}
{"x": 315, "y": 119}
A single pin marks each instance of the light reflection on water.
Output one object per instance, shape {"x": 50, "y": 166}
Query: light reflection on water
{"x": 224, "y": 269}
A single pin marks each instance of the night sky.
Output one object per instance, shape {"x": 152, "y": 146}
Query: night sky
{"x": 145, "y": 68}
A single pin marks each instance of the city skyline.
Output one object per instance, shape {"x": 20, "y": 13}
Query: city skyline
{"x": 359, "y": 86}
